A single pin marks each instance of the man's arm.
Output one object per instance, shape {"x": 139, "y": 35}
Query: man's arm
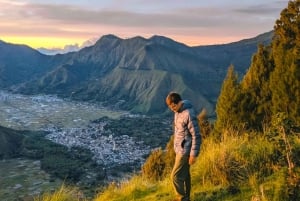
{"x": 196, "y": 137}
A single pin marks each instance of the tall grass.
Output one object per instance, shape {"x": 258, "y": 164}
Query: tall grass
{"x": 63, "y": 194}
{"x": 242, "y": 166}
{"x": 137, "y": 188}
{"x": 232, "y": 161}
{"x": 223, "y": 168}
{"x": 234, "y": 167}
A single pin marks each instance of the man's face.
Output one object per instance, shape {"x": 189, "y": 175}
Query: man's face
{"x": 172, "y": 106}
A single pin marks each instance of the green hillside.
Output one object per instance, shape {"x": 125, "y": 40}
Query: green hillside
{"x": 242, "y": 166}
{"x": 237, "y": 168}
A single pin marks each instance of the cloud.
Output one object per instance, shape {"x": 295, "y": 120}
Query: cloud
{"x": 185, "y": 18}
{"x": 68, "y": 48}
{"x": 128, "y": 18}
{"x": 263, "y": 9}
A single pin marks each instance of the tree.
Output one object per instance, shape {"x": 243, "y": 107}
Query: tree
{"x": 227, "y": 105}
{"x": 256, "y": 99}
{"x": 285, "y": 79}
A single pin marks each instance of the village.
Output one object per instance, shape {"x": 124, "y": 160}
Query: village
{"x": 107, "y": 148}
{"x": 71, "y": 124}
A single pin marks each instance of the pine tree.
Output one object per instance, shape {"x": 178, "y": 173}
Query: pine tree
{"x": 285, "y": 80}
{"x": 227, "y": 105}
{"x": 256, "y": 96}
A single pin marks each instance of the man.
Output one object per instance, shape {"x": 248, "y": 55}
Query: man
{"x": 187, "y": 143}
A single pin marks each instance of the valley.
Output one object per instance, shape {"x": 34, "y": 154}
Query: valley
{"x": 41, "y": 112}
{"x": 118, "y": 141}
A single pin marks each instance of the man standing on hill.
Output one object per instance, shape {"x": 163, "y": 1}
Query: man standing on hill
{"x": 187, "y": 142}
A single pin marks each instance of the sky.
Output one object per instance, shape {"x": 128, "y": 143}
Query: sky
{"x": 56, "y": 23}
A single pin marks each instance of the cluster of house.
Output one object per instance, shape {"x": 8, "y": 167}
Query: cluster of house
{"x": 108, "y": 148}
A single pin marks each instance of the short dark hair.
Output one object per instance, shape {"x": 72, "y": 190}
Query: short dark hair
{"x": 174, "y": 97}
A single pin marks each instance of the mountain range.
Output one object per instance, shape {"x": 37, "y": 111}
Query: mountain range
{"x": 134, "y": 74}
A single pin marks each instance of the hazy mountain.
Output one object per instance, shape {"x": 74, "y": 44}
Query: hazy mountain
{"x": 237, "y": 53}
{"x": 67, "y": 48}
{"x": 20, "y": 63}
{"x": 135, "y": 73}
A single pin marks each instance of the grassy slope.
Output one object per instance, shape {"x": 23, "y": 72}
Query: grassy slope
{"x": 238, "y": 168}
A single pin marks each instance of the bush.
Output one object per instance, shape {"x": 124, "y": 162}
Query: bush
{"x": 153, "y": 168}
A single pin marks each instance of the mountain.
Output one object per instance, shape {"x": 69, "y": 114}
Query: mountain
{"x": 20, "y": 63}
{"x": 67, "y": 48}
{"x": 134, "y": 74}
{"x": 237, "y": 53}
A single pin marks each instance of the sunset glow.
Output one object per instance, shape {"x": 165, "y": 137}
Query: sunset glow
{"x": 53, "y": 24}
{"x": 46, "y": 42}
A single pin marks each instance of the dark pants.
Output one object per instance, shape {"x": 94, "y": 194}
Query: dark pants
{"x": 181, "y": 177}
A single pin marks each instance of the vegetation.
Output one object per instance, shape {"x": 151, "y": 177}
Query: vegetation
{"x": 239, "y": 167}
{"x": 74, "y": 165}
{"x": 242, "y": 165}
{"x": 62, "y": 194}
{"x": 226, "y": 106}
{"x": 71, "y": 165}
{"x": 272, "y": 83}
{"x": 10, "y": 143}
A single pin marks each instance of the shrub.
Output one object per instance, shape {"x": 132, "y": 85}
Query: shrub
{"x": 204, "y": 124}
{"x": 153, "y": 168}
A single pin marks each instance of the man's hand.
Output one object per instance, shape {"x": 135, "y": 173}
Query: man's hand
{"x": 192, "y": 160}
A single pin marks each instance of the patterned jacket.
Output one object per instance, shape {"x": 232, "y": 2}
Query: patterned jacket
{"x": 187, "y": 139}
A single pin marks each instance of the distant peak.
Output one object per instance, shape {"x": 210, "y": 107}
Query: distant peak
{"x": 107, "y": 38}
{"x": 162, "y": 40}
{"x": 137, "y": 38}
{"x": 157, "y": 38}
{"x": 110, "y": 36}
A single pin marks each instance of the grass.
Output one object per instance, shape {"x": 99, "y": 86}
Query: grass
{"x": 239, "y": 167}
{"x": 137, "y": 188}
{"x": 63, "y": 194}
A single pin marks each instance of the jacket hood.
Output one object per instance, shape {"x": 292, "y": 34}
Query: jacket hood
{"x": 186, "y": 105}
